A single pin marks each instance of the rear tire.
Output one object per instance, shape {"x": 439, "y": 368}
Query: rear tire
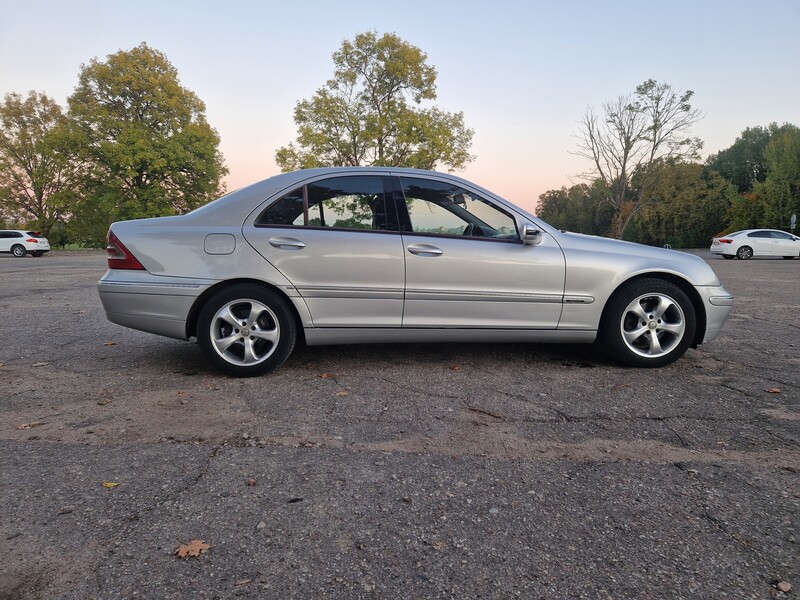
{"x": 648, "y": 323}
{"x": 37, "y": 254}
{"x": 18, "y": 251}
{"x": 246, "y": 330}
{"x": 788, "y": 257}
{"x": 727, "y": 256}
{"x": 744, "y": 253}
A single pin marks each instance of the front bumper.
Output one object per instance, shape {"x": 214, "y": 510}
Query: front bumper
{"x": 718, "y": 303}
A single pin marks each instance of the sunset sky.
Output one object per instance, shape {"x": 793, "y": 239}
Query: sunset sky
{"x": 522, "y": 72}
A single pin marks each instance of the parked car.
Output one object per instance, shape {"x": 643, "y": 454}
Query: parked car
{"x": 359, "y": 255}
{"x": 20, "y": 242}
{"x": 756, "y": 242}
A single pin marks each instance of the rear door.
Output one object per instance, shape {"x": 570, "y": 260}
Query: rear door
{"x": 337, "y": 241}
{"x": 761, "y": 242}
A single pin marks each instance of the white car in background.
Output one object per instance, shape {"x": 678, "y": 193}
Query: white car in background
{"x": 756, "y": 242}
{"x": 20, "y": 242}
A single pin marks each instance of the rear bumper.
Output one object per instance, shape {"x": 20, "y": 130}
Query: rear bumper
{"x": 149, "y": 303}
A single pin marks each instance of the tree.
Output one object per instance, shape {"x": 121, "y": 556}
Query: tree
{"x": 634, "y": 132}
{"x": 37, "y": 173}
{"x": 743, "y": 163}
{"x": 580, "y": 208}
{"x": 150, "y": 149}
{"x": 780, "y": 190}
{"x": 369, "y": 113}
{"x": 686, "y": 205}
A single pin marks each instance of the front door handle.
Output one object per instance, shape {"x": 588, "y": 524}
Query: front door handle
{"x": 286, "y": 243}
{"x": 424, "y": 250}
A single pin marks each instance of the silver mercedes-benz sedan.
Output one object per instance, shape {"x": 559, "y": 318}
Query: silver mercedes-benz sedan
{"x": 360, "y": 255}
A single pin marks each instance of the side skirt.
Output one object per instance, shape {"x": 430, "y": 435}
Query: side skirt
{"x": 322, "y": 336}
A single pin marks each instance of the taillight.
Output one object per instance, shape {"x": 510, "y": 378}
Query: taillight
{"x": 32, "y": 241}
{"x": 726, "y": 241}
{"x": 119, "y": 257}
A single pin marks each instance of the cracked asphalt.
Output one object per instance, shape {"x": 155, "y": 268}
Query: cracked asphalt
{"x": 394, "y": 471}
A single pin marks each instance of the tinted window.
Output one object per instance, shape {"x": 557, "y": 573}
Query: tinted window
{"x": 759, "y": 234}
{"x": 781, "y": 235}
{"x": 357, "y": 202}
{"x": 442, "y": 208}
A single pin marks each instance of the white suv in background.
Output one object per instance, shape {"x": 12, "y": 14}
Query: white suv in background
{"x": 20, "y": 242}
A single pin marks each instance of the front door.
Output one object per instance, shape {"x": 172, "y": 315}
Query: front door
{"x": 466, "y": 266}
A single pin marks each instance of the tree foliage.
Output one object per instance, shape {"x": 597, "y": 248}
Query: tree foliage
{"x": 686, "y": 206}
{"x": 630, "y": 135}
{"x": 38, "y": 175}
{"x": 370, "y": 113}
{"x": 581, "y": 208}
{"x": 146, "y": 140}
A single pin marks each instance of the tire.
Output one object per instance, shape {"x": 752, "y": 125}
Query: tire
{"x": 37, "y": 254}
{"x": 744, "y": 253}
{"x": 788, "y": 257}
{"x": 246, "y": 330}
{"x": 648, "y": 323}
{"x": 727, "y": 256}
{"x": 18, "y": 251}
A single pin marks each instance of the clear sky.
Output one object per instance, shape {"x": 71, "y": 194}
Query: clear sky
{"x": 523, "y": 72}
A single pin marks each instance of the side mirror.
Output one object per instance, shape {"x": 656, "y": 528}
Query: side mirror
{"x": 531, "y": 235}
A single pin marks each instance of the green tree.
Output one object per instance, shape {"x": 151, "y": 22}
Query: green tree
{"x": 581, "y": 208}
{"x": 780, "y": 190}
{"x": 37, "y": 174}
{"x": 633, "y": 132}
{"x": 686, "y": 205}
{"x": 150, "y": 149}
{"x": 370, "y": 113}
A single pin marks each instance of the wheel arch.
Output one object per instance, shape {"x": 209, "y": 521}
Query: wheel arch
{"x": 684, "y": 285}
{"x": 200, "y": 301}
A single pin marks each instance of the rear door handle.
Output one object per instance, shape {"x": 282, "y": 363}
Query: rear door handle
{"x": 424, "y": 250}
{"x": 286, "y": 243}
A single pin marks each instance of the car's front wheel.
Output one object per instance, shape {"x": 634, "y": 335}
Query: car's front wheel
{"x": 648, "y": 323}
{"x": 246, "y": 330}
{"x": 19, "y": 251}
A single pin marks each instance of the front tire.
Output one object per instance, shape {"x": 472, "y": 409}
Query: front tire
{"x": 648, "y": 323}
{"x": 727, "y": 256}
{"x": 246, "y": 330}
{"x": 744, "y": 253}
{"x": 19, "y": 251}
{"x": 37, "y": 254}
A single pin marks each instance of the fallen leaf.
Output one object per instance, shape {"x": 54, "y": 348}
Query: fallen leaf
{"x": 251, "y": 481}
{"x": 439, "y": 546}
{"x": 243, "y": 581}
{"x": 326, "y": 376}
{"x": 772, "y": 390}
{"x": 28, "y": 425}
{"x": 111, "y": 484}
{"x": 2, "y": 364}
{"x": 110, "y": 344}
{"x": 194, "y": 548}
{"x": 342, "y": 394}
{"x": 182, "y": 394}
{"x": 39, "y": 364}
{"x": 104, "y": 401}
{"x": 456, "y": 367}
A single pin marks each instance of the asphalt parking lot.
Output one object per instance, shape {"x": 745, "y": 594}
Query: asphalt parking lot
{"x": 401, "y": 471}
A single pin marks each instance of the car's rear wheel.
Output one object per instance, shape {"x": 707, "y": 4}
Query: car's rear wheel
{"x": 246, "y": 330}
{"x": 648, "y": 323}
{"x": 727, "y": 256}
{"x": 18, "y": 251}
{"x": 744, "y": 253}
